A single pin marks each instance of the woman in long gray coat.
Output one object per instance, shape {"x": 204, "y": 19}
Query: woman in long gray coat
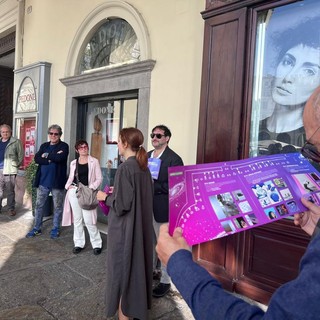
{"x": 130, "y": 231}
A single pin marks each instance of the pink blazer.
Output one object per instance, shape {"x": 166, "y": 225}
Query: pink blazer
{"x": 94, "y": 180}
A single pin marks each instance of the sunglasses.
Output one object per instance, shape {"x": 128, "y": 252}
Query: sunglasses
{"x": 157, "y": 135}
{"x": 310, "y": 151}
{"x": 53, "y": 134}
{"x": 82, "y": 147}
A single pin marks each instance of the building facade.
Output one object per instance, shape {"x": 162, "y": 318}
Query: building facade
{"x": 55, "y": 80}
{"x": 204, "y": 68}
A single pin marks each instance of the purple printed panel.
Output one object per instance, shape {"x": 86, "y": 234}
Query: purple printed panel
{"x": 210, "y": 201}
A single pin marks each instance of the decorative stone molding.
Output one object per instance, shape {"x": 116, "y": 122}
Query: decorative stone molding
{"x": 110, "y": 73}
{"x": 7, "y": 43}
{"x": 130, "y": 77}
{"x": 219, "y": 3}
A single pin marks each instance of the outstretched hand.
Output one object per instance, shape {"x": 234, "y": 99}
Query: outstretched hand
{"x": 101, "y": 196}
{"x": 307, "y": 220}
{"x": 167, "y": 245}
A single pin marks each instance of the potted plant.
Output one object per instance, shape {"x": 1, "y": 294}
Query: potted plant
{"x": 30, "y": 173}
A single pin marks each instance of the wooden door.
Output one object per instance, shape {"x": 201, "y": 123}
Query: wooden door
{"x": 222, "y": 87}
{"x": 257, "y": 261}
{"x": 220, "y": 125}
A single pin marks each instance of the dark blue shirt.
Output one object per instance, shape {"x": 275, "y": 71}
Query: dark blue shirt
{"x": 58, "y": 156}
{"x": 297, "y": 299}
{"x": 48, "y": 171}
{"x": 3, "y": 146}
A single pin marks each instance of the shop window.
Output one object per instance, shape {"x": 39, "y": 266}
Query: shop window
{"x": 26, "y": 128}
{"x": 104, "y": 120}
{"x": 113, "y": 44}
{"x": 25, "y": 122}
{"x": 286, "y": 72}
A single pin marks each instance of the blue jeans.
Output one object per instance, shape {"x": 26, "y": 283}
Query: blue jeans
{"x": 58, "y": 201}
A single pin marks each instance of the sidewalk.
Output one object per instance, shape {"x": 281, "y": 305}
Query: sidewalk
{"x": 41, "y": 279}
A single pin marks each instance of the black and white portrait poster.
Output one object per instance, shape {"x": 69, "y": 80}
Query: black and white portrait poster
{"x": 286, "y": 72}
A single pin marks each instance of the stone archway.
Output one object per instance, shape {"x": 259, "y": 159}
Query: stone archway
{"x": 97, "y": 17}
{"x": 136, "y": 76}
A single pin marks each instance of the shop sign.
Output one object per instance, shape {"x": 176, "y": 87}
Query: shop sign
{"x": 26, "y": 101}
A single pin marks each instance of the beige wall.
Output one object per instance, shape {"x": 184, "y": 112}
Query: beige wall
{"x": 176, "y": 36}
{"x": 8, "y": 16}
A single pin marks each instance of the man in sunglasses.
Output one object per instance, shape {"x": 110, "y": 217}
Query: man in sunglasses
{"x": 51, "y": 177}
{"x": 297, "y": 299}
{"x": 166, "y": 158}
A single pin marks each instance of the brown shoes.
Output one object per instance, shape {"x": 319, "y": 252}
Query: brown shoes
{"x": 12, "y": 212}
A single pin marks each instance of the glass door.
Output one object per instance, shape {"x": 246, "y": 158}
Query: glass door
{"x": 104, "y": 118}
{"x": 99, "y": 122}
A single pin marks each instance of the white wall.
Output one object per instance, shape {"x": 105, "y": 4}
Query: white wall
{"x": 176, "y": 36}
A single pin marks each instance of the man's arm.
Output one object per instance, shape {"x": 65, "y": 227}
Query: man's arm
{"x": 20, "y": 152}
{"x": 202, "y": 292}
{"x": 298, "y": 299}
{"x": 38, "y": 156}
{"x": 60, "y": 155}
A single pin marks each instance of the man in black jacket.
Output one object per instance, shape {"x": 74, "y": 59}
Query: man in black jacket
{"x": 51, "y": 177}
{"x": 167, "y": 158}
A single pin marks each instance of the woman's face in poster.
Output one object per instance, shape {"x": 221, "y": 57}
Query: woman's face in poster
{"x": 297, "y": 76}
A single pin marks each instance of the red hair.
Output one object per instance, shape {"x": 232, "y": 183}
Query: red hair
{"x": 133, "y": 137}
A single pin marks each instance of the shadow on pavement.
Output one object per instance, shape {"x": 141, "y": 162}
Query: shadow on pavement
{"x": 42, "y": 279}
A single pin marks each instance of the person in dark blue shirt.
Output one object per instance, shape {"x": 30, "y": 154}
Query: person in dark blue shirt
{"x": 297, "y": 299}
{"x": 51, "y": 177}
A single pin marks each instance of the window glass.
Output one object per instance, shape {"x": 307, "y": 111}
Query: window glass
{"x": 104, "y": 120}
{"x": 114, "y": 43}
{"x": 286, "y": 72}
{"x": 26, "y": 132}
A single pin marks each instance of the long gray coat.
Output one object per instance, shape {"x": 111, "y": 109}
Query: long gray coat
{"x": 129, "y": 242}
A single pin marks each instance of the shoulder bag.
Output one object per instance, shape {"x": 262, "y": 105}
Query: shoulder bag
{"x": 87, "y": 197}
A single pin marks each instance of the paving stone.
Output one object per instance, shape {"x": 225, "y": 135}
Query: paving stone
{"x": 41, "y": 279}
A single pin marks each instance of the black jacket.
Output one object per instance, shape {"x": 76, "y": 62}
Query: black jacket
{"x": 59, "y": 156}
{"x": 161, "y": 186}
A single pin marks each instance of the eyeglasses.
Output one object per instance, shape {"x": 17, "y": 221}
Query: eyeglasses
{"x": 53, "y": 134}
{"x": 82, "y": 147}
{"x": 310, "y": 151}
{"x": 157, "y": 135}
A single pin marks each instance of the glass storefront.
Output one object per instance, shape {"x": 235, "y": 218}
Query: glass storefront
{"x": 104, "y": 118}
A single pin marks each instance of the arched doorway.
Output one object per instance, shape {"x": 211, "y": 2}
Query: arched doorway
{"x": 108, "y": 78}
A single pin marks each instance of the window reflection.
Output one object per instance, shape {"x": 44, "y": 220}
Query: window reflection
{"x": 115, "y": 42}
{"x": 287, "y": 70}
{"x": 104, "y": 120}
